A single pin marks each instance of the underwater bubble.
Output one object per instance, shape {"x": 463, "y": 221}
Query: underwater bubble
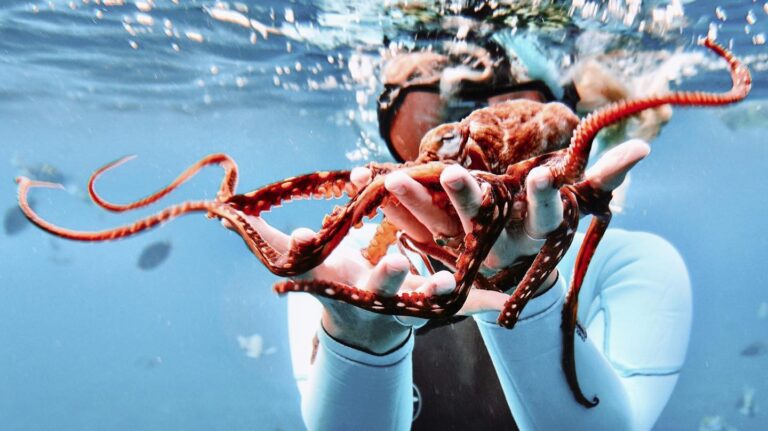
{"x": 751, "y": 19}
{"x": 153, "y": 255}
{"x": 144, "y": 6}
{"x": 241, "y": 7}
{"x": 289, "y": 16}
{"x": 144, "y": 19}
{"x": 229, "y": 16}
{"x": 720, "y": 14}
{"x": 194, "y": 36}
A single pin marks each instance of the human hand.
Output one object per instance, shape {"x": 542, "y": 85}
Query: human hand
{"x": 365, "y": 330}
{"x": 422, "y": 220}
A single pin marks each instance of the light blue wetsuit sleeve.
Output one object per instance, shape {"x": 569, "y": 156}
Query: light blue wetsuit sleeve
{"x": 345, "y": 388}
{"x": 636, "y": 303}
{"x": 353, "y": 390}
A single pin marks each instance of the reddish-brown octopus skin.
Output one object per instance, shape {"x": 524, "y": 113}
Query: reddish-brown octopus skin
{"x": 501, "y": 144}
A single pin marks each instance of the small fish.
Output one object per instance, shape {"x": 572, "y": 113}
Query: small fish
{"x": 746, "y": 403}
{"x": 14, "y": 221}
{"x": 749, "y": 115}
{"x": 153, "y": 255}
{"x": 757, "y": 348}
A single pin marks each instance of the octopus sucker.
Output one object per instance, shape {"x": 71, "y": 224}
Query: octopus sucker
{"x": 509, "y": 139}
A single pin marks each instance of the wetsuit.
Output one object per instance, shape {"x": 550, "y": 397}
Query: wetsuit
{"x": 636, "y": 306}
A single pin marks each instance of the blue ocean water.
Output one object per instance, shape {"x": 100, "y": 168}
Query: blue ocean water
{"x": 89, "y": 341}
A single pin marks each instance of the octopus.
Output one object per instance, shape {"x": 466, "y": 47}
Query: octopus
{"x": 500, "y": 145}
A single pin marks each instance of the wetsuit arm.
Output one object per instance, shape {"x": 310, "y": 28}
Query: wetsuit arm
{"x": 637, "y": 305}
{"x": 343, "y": 388}
{"x": 348, "y": 389}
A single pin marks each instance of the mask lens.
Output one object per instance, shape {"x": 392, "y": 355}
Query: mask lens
{"x": 419, "y": 112}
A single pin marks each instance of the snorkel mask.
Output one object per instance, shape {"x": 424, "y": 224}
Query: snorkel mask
{"x": 423, "y": 90}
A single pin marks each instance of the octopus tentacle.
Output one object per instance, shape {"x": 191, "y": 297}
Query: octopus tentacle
{"x": 594, "y": 201}
{"x": 226, "y": 189}
{"x": 443, "y": 254}
{"x": 265, "y": 252}
{"x": 570, "y": 168}
{"x": 413, "y": 304}
{"x": 570, "y": 310}
{"x": 552, "y": 251}
{"x": 110, "y": 234}
{"x": 512, "y": 275}
{"x": 487, "y": 225}
{"x": 335, "y": 226}
{"x": 386, "y": 235}
{"x": 402, "y": 248}
{"x": 319, "y": 185}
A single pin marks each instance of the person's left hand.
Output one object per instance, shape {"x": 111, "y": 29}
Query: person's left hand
{"x": 422, "y": 220}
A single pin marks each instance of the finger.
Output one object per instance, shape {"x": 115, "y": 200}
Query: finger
{"x": 464, "y": 192}
{"x": 407, "y": 222}
{"x": 388, "y": 275}
{"x": 545, "y": 209}
{"x": 271, "y": 235}
{"x": 360, "y": 177}
{"x": 413, "y": 282}
{"x": 440, "y": 283}
{"x": 303, "y": 235}
{"x": 466, "y": 195}
{"x": 611, "y": 169}
{"x": 480, "y": 301}
{"x": 417, "y": 199}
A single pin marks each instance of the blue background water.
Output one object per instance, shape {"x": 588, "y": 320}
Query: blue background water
{"x": 88, "y": 341}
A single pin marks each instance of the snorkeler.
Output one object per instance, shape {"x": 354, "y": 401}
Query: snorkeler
{"x": 636, "y": 301}
{"x": 356, "y": 370}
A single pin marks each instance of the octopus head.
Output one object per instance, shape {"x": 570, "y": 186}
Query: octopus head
{"x": 444, "y": 142}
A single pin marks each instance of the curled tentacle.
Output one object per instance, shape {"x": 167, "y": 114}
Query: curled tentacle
{"x": 546, "y": 261}
{"x": 109, "y": 234}
{"x": 571, "y": 167}
{"x": 335, "y": 226}
{"x": 593, "y": 201}
{"x": 318, "y": 185}
{"x": 386, "y": 235}
{"x": 226, "y": 190}
{"x": 477, "y": 244}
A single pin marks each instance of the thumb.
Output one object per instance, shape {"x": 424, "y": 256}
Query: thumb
{"x": 545, "y": 209}
{"x": 611, "y": 169}
{"x": 479, "y": 301}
